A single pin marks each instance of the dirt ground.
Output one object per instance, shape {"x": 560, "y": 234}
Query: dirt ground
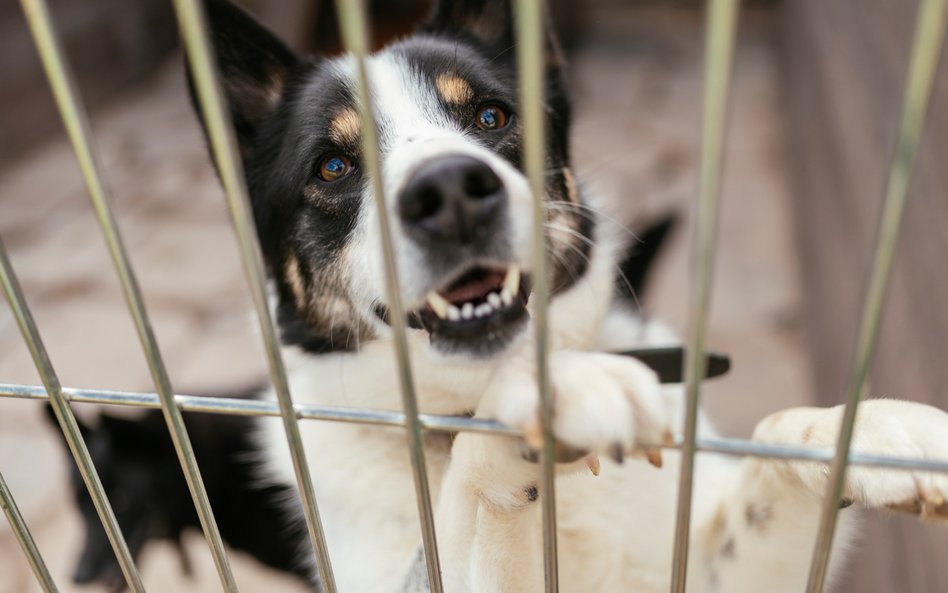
{"x": 638, "y": 86}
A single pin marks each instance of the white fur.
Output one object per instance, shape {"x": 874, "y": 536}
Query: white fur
{"x": 414, "y": 128}
{"x": 753, "y": 523}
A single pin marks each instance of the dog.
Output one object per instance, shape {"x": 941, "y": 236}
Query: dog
{"x": 142, "y": 478}
{"x": 446, "y": 104}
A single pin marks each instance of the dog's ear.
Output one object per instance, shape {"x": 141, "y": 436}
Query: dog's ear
{"x": 254, "y": 67}
{"x": 145, "y": 432}
{"x": 488, "y": 21}
{"x": 84, "y": 428}
{"x": 642, "y": 254}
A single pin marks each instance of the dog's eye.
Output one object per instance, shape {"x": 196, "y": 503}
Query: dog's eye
{"x": 492, "y": 117}
{"x": 334, "y": 167}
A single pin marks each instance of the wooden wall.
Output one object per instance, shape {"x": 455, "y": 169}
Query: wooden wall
{"x": 111, "y": 45}
{"x": 844, "y": 67}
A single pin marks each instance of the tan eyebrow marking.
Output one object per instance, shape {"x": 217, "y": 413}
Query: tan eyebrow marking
{"x": 295, "y": 280}
{"x": 453, "y": 88}
{"x": 344, "y": 127}
{"x": 571, "y": 191}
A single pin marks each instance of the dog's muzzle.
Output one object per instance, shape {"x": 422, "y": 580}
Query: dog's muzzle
{"x": 454, "y": 207}
{"x": 454, "y": 201}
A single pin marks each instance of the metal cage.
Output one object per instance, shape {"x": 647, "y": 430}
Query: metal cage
{"x": 721, "y": 29}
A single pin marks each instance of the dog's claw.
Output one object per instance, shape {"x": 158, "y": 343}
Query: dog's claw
{"x": 654, "y": 457}
{"x": 929, "y": 495}
{"x": 617, "y": 454}
{"x": 592, "y": 462}
{"x": 930, "y": 504}
{"x": 533, "y": 434}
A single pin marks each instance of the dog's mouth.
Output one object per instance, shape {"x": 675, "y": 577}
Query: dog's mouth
{"x": 479, "y": 309}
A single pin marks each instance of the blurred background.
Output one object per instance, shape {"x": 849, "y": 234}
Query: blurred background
{"x": 816, "y": 93}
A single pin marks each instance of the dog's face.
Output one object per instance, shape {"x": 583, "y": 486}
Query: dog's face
{"x": 450, "y": 135}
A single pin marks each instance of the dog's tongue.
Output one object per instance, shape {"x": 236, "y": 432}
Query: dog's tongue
{"x": 474, "y": 286}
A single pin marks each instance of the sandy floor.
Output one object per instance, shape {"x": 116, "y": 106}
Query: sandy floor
{"x": 638, "y": 93}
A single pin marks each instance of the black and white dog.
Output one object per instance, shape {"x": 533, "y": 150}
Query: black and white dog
{"x": 447, "y": 110}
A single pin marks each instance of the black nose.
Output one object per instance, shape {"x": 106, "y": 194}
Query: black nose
{"x": 452, "y": 199}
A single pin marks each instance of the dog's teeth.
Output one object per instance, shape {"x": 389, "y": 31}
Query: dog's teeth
{"x": 467, "y": 311}
{"x": 506, "y": 297}
{"x": 438, "y": 304}
{"x": 494, "y": 300}
{"x": 454, "y": 313}
{"x": 483, "y": 310}
{"x": 512, "y": 280}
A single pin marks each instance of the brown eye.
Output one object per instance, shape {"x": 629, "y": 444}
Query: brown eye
{"x": 334, "y": 167}
{"x": 492, "y": 117}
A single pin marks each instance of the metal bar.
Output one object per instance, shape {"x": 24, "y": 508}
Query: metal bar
{"x": 23, "y": 536}
{"x": 77, "y": 127}
{"x": 192, "y": 23}
{"x": 24, "y": 319}
{"x": 355, "y": 36}
{"x": 531, "y": 72}
{"x": 719, "y": 50}
{"x": 244, "y": 407}
{"x": 923, "y": 64}
{"x": 452, "y": 424}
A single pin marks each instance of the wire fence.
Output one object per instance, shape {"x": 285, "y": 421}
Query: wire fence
{"x": 721, "y": 32}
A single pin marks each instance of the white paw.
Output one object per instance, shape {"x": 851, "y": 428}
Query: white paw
{"x": 603, "y": 404}
{"x": 884, "y": 427}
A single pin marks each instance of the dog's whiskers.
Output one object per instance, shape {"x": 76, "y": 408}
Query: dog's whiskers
{"x": 592, "y": 244}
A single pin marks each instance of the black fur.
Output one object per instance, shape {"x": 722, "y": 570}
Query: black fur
{"x": 282, "y": 106}
{"x": 141, "y": 475}
{"x": 640, "y": 257}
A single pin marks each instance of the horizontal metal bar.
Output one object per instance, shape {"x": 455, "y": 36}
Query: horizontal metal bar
{"x": 250, "y": 407}
{"x": 69, "y": 102}
{"x": 930, "y": 26}
{"x": 23, "y": 536}
{"x": 193, "y": 26}
{"x": 453, "y": 424}
{"x": 10, "y": 287}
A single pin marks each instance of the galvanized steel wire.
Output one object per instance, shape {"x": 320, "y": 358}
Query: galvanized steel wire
{"x": 923, "y": 63}
{"x": 531, "y": 62}
{"x": 719, "y": 50}
{"x": 197, "y": 45}
{"x": 355, "y": 37}
{"x": 721, "y": 32}
{"x": 74, "y": 117}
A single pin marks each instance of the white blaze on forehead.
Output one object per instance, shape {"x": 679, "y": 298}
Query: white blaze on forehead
{"x": 414, "y": 127}
{"x": 404, "y": 100}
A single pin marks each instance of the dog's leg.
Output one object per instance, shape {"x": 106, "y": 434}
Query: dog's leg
{"x": 489, "y": 515}
{"x": 763, "y": 532}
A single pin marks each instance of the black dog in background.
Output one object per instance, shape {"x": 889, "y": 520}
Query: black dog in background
{"x": 145, "y": 484}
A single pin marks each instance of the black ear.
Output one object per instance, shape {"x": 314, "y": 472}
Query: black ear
{"x": 642, "y": 254}
{"x": 489, "y": 21}
{"x": 146, "y": 430}
{"x": 84, "y": 429}
{"x": 254, "y": 67}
